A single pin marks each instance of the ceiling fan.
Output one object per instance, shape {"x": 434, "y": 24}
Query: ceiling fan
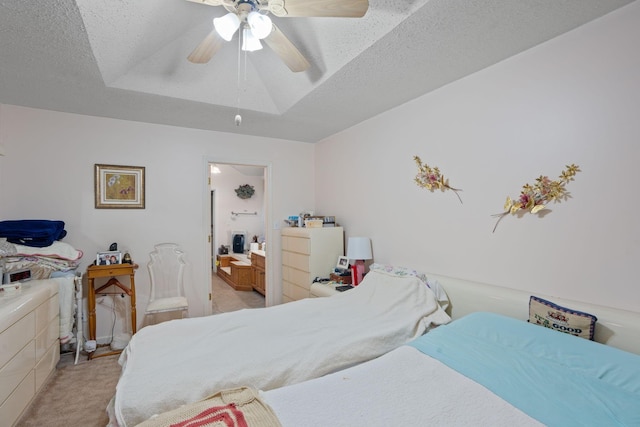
{"x": 252, "y": 16}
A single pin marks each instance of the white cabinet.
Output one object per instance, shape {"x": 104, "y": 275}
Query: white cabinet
{"x": 29, "y": 345}
{"x": 308, "y": 253}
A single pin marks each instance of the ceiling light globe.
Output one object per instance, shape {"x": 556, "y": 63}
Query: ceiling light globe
{"x": 260, "y": 24}
{"x": 250, "y": 42}
{"x": 227, "y": 25}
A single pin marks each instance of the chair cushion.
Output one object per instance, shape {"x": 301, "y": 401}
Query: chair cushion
{"x": 167, "y": 304}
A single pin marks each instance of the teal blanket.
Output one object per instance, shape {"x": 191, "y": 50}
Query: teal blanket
{"x": 556, "y": 378}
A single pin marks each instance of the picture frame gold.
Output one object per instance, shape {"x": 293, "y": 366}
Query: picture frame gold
{"x": 119, "y": 187}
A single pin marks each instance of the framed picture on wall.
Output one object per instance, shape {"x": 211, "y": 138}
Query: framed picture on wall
{"x": 119, "y": 187}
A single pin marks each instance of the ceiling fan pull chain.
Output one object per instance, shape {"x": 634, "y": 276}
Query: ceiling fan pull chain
{"x": 238, "y": 118}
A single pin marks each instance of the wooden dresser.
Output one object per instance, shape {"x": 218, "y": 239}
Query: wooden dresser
{"x": 308, "y": 253}
{"x": 29, "y": 345}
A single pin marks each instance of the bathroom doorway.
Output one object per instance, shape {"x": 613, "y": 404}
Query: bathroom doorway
{"x": 238, "y": 206}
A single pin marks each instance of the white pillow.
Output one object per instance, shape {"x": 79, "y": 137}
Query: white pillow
{"x": 434, "y": 285}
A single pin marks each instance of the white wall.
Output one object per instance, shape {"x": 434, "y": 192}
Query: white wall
{"x": 48, "y": 169}
{"x": 574, "y": 99}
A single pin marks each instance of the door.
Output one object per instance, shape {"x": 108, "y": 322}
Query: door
{"x": 231, "y": 212}
{"x": 214, "y": 250}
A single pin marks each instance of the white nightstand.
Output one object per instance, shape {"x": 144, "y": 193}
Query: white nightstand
{"x": 324, "y": 289}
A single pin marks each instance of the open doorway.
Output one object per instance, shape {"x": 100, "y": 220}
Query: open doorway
{"x": 238, "y": 236}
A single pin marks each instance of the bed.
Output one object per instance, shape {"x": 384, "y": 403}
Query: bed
{"x": 482, "y": 369}
{"x": 174, "y": 363}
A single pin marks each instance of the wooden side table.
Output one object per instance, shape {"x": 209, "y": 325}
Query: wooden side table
{"x": 112, "y": 271}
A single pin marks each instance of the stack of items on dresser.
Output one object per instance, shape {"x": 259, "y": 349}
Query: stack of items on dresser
{"x": 31, "y": 250}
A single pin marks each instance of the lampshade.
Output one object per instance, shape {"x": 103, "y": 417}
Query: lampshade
{"x": 227, "y": 25}
{"x": 359, "y": 248}
{"x": 250, "y": 42}
{"x": 260, "y": 24}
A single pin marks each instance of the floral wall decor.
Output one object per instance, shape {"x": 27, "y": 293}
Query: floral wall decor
{"x": 535, "y": 197}
{"x": 431, "y": 178}
{"x": 245, "y": 191}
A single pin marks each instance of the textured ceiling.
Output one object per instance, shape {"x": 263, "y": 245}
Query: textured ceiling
{"x": 126, "y": 59}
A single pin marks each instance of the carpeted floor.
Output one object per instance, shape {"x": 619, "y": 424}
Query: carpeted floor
{"x": 78, "y": 395}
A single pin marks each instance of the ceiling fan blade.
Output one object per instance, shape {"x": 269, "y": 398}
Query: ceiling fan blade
{"x": 319, "y": 8}
{"x": 209, "y": 2}
{"x": 282, "y": 46}
{"x": 206, "y": 49}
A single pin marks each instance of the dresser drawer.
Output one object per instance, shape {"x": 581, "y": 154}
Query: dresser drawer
{"x": 46, "y": 366}
{"x": 296, "y": 260}
{"x": 13, "y": 407}
{"x": 300, "y": 278}
{"x": 296, "y": 244}
{"x": 47, "y": 337}
{"x": 292, "y": 292}
{"x": 297, "y": 277}
{"x": 46, "y": 312}
{"x": 16, "y": 369}
{"x": 16, "y": 336}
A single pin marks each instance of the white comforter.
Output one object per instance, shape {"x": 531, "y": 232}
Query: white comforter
{"x": 167, "y": 365}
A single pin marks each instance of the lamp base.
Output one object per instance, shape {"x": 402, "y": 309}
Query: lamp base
{"x": 357, "y": 272}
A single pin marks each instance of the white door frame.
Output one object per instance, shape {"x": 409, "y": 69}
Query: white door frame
{"x": 270, "y": 296}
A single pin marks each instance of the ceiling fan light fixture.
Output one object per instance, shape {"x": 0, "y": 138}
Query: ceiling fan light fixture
{"x": 260, "y": 24}
{"x": 250, "y": 42}
{"x": 227, "y": 25}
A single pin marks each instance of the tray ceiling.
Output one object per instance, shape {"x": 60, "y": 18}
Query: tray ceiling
{"x": 126, "y": 59}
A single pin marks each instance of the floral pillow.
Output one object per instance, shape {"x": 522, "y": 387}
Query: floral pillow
{"x": 563, "y": 319}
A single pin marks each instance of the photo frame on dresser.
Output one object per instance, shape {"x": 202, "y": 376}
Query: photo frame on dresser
{"x": 109, "y": 258}
{"x": 119, "y": 187}
{"x": 343, "y": 263}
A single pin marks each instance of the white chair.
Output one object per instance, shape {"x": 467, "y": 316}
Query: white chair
{"x": 166, "y": 270}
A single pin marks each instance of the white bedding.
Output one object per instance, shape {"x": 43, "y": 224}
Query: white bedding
{"x": 167, "y": 365}
{"x": 481, "y": 370}
{"x": 401, "y": 388}
{"x": 66, "y": 299}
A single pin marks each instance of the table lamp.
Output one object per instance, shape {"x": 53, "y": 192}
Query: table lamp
{"x": 359, "y": 249}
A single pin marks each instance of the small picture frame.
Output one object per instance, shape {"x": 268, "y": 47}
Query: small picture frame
{"x": 119, "y": 187}
{"x": 109, "y": 258}
{"x": 343, "y": 263}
